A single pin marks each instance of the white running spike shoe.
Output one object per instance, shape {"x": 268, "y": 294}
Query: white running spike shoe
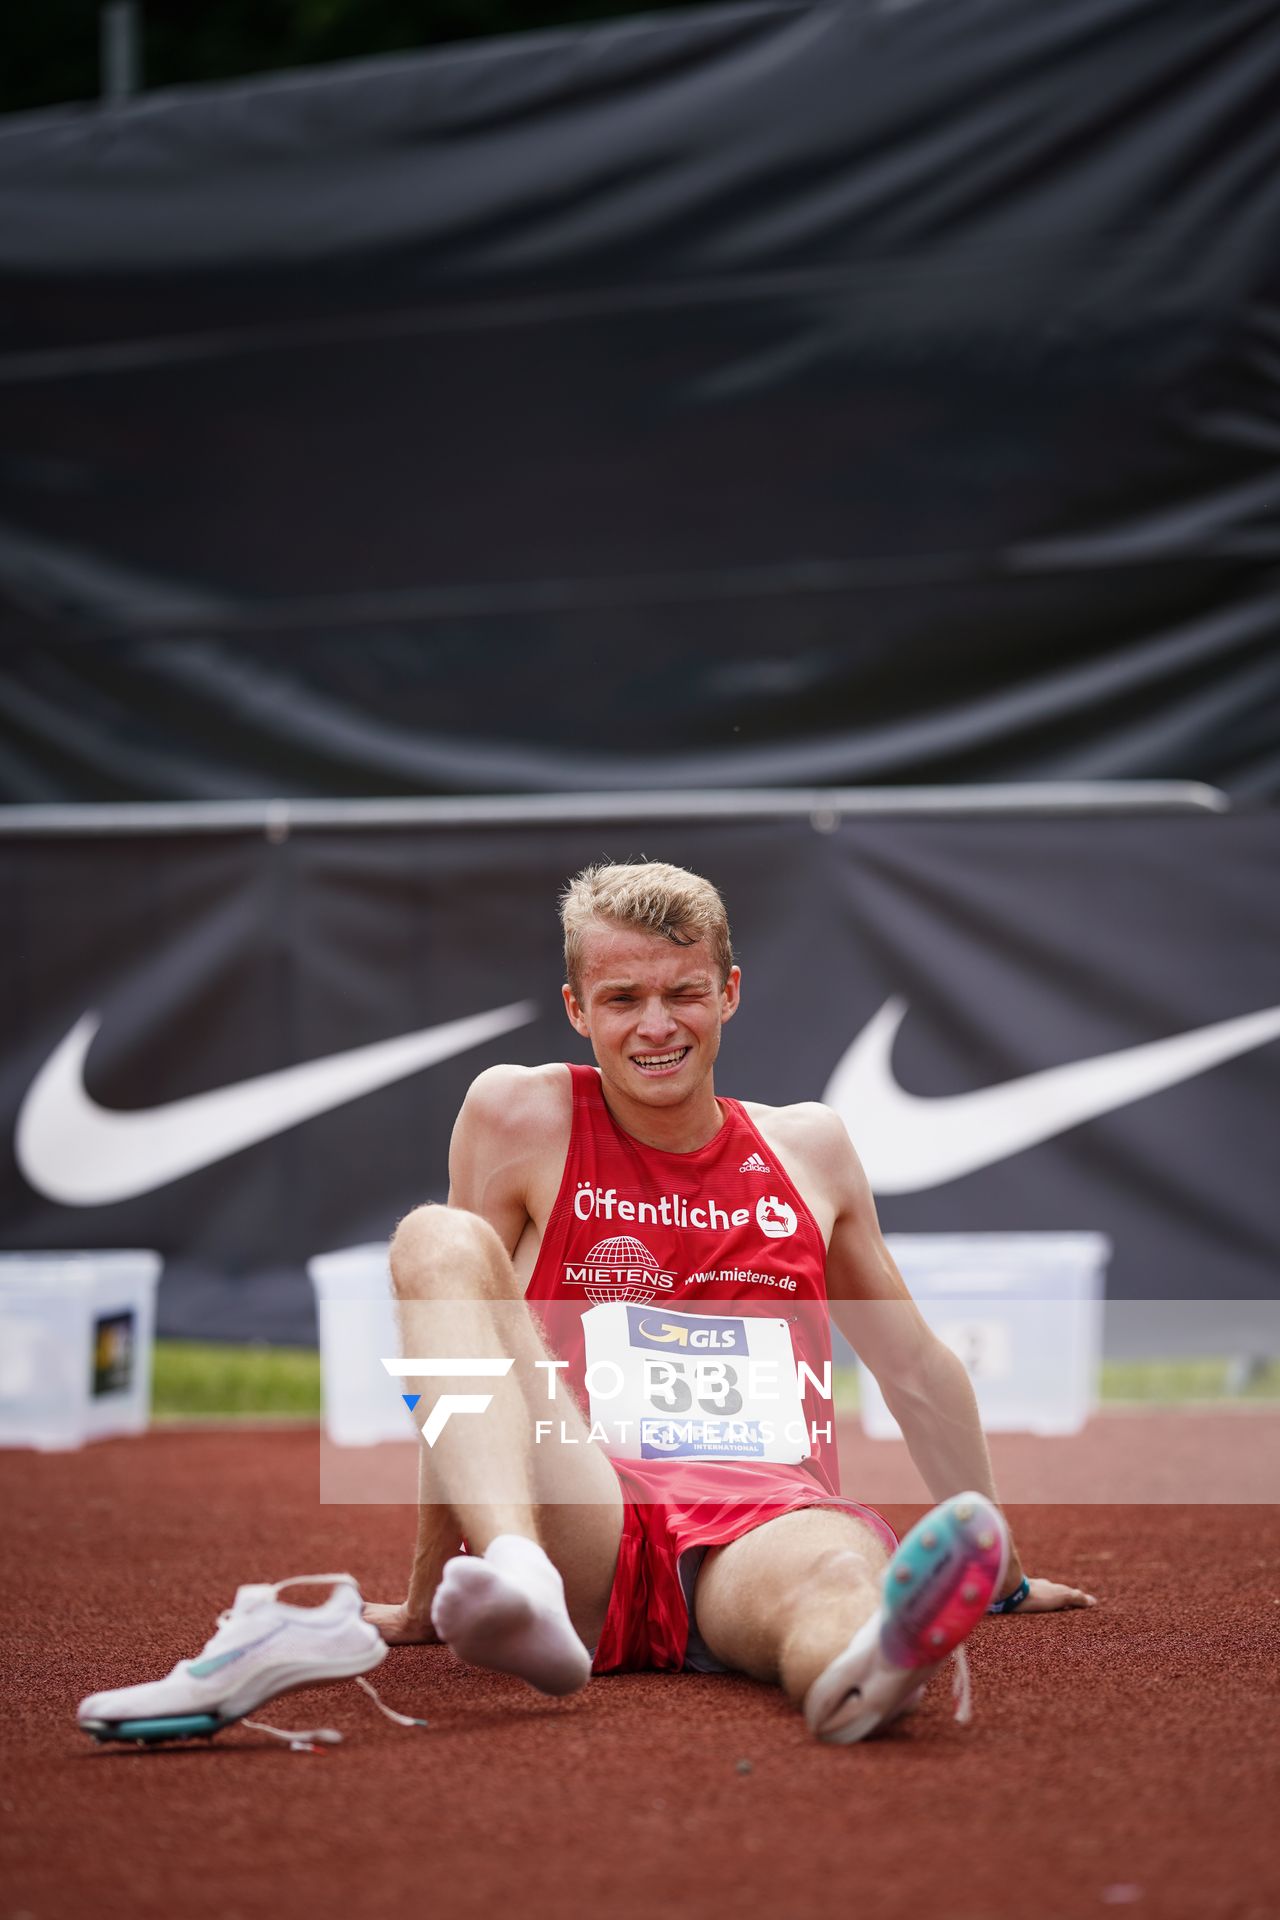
{"x": 937, "y": 1587}
{"x": 262, "y": 1647}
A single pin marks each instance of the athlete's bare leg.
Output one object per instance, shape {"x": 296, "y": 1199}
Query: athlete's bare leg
{"x": 782, "y": 1601}
{"x": 528, "y": 1513}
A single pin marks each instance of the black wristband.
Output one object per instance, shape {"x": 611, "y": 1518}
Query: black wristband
{"x": 1012, "y": 1601}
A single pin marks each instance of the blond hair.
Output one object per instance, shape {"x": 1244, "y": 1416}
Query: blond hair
{"x": 651, "y": 897}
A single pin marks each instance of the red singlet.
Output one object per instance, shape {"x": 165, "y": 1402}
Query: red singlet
{"x": 652, "y": 1228}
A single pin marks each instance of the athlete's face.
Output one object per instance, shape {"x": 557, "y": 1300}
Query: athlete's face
{"x": 652, "y": 1011}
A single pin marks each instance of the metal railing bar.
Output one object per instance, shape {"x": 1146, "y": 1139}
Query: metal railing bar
{"x": 825, "y": 806}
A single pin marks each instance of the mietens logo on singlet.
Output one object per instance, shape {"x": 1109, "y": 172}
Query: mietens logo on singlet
{"x": 620, "y": 1268}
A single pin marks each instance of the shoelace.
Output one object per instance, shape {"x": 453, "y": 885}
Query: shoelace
{"x": 961, "y": 1687}
{"x": 312, "y": 1739}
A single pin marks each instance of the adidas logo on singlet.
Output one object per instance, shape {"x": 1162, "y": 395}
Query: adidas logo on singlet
{"x": 754, "y": 1164}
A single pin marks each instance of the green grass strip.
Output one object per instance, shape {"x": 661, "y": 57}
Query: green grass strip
{"x": 1157, "y": 1383}
{"x": 194, "y": 1378}
{"x": 1175, "y": 1382}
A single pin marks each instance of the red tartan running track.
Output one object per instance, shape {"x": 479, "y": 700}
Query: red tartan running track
{"x": 1122, "y": 1759}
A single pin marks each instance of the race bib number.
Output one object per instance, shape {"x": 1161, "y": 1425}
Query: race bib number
{"x": 693, "y": 1386}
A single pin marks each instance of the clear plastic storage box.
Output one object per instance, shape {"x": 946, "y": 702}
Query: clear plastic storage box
{"x": 362, "y": 1403}
{"x": 1024, "y": 1313}
{"x": 76, "y": 1335}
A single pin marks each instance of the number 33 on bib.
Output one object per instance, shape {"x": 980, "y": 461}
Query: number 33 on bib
{"x": 693, "y": 1386}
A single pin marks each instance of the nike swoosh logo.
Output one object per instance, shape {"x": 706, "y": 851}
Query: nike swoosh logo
{"x": 907, "y": 1143}
{"x": 83, "y": 1155}
{"x": 205, "y": 1669}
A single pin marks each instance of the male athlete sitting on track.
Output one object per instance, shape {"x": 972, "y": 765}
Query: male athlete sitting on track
{"x": 635, "y": 1187}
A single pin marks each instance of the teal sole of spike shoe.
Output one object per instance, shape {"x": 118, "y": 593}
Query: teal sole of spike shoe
{"x": 149, "y": 1733}
{"x": 942, "y": 1579}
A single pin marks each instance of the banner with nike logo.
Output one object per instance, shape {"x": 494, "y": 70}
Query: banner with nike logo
{"x": 244, "y": 1052}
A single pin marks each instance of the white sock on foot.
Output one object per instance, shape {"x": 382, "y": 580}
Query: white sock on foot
{"x": 505, "y": 1610}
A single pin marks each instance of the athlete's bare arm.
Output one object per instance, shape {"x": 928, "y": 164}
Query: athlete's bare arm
{"x": 925, "y": 1386}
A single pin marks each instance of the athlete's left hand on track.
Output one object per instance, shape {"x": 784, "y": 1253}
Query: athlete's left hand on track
{"x": 400, "y": 1628}
{"x": 1047, "y": 1596}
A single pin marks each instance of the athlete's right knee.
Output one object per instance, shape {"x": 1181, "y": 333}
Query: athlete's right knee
{"x": 443, "y": 1250}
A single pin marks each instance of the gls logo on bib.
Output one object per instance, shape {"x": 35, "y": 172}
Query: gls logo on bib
{"x": 775, "y": 1218}
{"x": 649, "y": 1327}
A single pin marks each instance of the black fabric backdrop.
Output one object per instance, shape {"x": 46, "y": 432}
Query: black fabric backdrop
{"x": 817, "y": 394}
{"x": 1019, "y": 944}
